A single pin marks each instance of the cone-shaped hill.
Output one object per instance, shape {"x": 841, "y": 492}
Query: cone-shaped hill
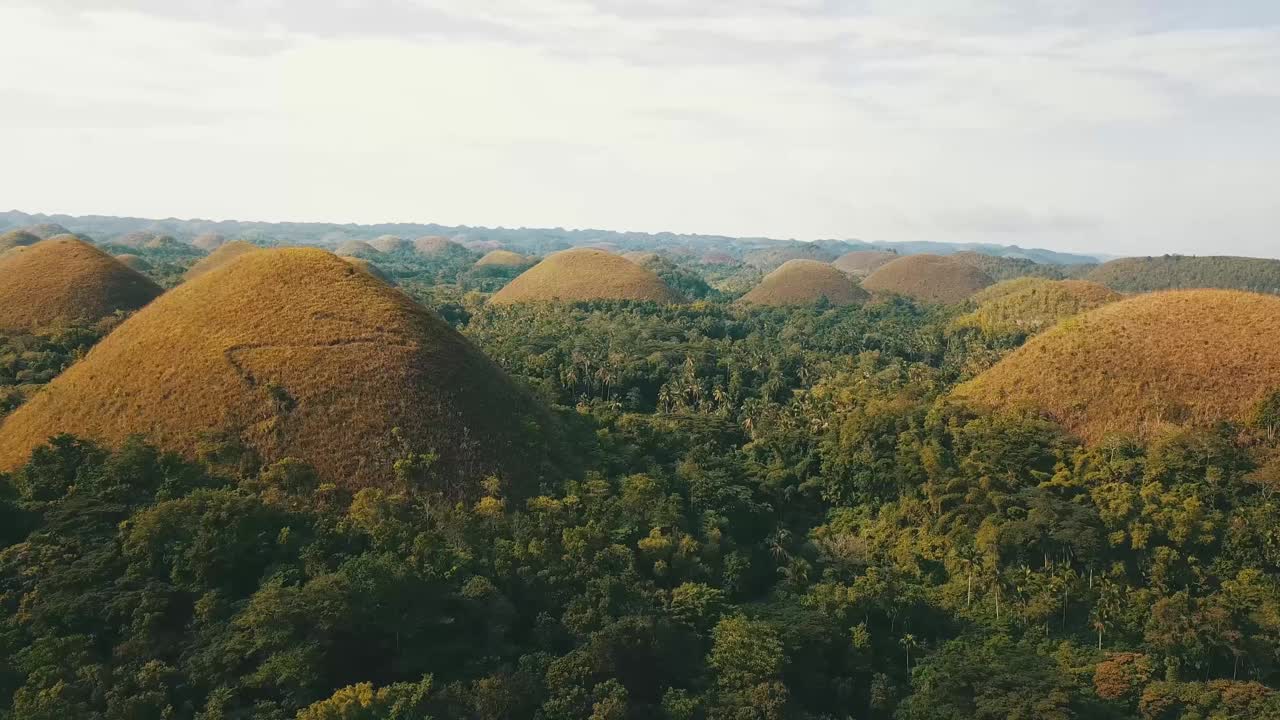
{"x": 1143, "y": 364}
{"x": 503, "y": 258}
{"x": 357, "y": 249}
{"x": 44, "y": 231}
{"x": 1176, "y": 272}
{"x": 295, "y": 353}
{"x": 391, "y": 244}
{"x": 66, "y": 279}
{"x": 17, "y": 238}
{"x": 433, "y": 246}
{"x": 927, "y": 278}
{"x": 1029, "y": 305}
{"x": 861, "y": 263}
{"x": 209, "y": 242}
{"x": 805, "y": 282}
{"x": 585, "y": 274}
{"x": 223, "y": 255}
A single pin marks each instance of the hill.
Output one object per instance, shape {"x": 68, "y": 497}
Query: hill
{"x": 44, "y": 231}
{"x": 134, "y": 261}
{"x": 805, "y": 282}
{"x": 927, "y": 278}
{"x": 585, "y": 274}
{"x": 357, "y": 249}
{"x": 1177, "y": 272}
{"x": 1008, "y": 268}
{"x": 209, "y": 241}
{"x": 391, "y": 244}
{"x": 640, "y": 257}
{"x": 64, "y": 280}
{"x": 1164, "y": 359}
{"x": 435, "y": 246}
{"x": 17, "y": 238}
{"x": 294, "y": 353}
{"x": 1028, "y": 305}
{"x": 223, "y": 255}
{"x": 861, "y": 263}
{"x": 503, "y": 258}
{"x": 771, "y": 258}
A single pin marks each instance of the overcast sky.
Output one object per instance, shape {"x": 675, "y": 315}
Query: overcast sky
{"x": 1116, "y": 126}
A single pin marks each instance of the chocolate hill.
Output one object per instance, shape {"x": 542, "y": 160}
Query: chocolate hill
{"x": 805, "y": 282}
{"x": 927, "y": 278}
{"x": 585, "y": 274}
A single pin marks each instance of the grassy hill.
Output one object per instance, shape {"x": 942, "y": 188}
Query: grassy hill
{"x": 1026, "y": 306}
{"x": 861, "y": 263}
{"x": 294, "y": 353}
{"x": 586, "y": 274}
{"x": 219, "y": 257}
{"x": 1140, "y": 365}
{"x": 805, "y": 282}
{"x": 928, "y": 278}
{"x": 1179, "y": 272}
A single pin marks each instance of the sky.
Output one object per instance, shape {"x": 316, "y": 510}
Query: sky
{"x": 1108, "y": 126}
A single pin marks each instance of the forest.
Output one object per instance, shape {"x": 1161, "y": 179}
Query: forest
{"x": 772, "y": 513}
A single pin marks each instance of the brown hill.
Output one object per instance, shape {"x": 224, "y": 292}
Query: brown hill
{"x": 295, "y": 353}
{"x": 927, "y": 278}
{"x": 164, "y": 242}
{"x": 209, "y": 241}
{"x": 44, "y": 231}
{"x": 1144, "y": 364}
{"x": 436, "y": 246}
{"x": 66, "y": 279}
{"x": 135, "y": 262}
{"x": 503, "y": 258}
{"x": 391, "y": 244}
{"x": 357, "y": 249}
{"x": 804, "y": 282}
{"x": 135, "y": 239}
{"x": 718, "y": 258}
{"x": 640, "y": 257}
{"x": 861, "y": 263}
{"x": 1026, "y": 306}
{"x": 17, "y": 238}
{"x": 223, "y": 255}
{"x": 585, "y": 274}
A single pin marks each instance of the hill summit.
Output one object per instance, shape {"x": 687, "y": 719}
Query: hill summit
{"x": 222, "y": 255}
{"x": 928, "y": 278}
{"x": 861, "y": 263}
{"x": 295, "y": 353}
{"x": 586, "y": 274}
{"x": 1028, "y": 305}
{"x": 1164, "y": 359}
{"x": 67, "y": 279}
{"x": 503, "y": 258}
{"x": 804, "y": 282}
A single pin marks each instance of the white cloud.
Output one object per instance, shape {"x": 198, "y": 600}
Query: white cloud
{"x": 779, "y": 118}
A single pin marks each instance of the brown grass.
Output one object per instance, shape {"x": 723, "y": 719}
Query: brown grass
{"x": 434, "y": 245}
{"x": 585, "y": 274}
{"x": 1144, "y": 364}
{"x": 44, "y": 231}
{"x": 368, "y": 267}
{"x": 640, "y": 257}
{"x": 223, "y": 255}
{"x": 861, "y": 263}
{"x": 134, "y": 262}
{"x": 1030, "y": 305}
{"x": 293, "y": 353}
{"x": 805, "y": 282}
{"x": 391, "y": 244}
{"x": 64, "y": 280}
{"x": 17, "y": 238}
{"x": 503, "y": 258}
{"x": 357, "y": 249}
{"x": 209, "y": 242}
{"x": 927, "y": 278}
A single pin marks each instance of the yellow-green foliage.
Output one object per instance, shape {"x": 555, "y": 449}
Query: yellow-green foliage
{"x": 805, "y": 282}
{"x": 219, "y": 257}
{"x": 585, "y": 274}
{"x": 1144, "y": 364}
{"x": 1172, "y": 272}
{"x": 503, "y": 258}
{"x": 401, "y": 701}
{"x": 861, "y": 263}
{"x": 66, "y": 280}
{"x": 1026, "y": 306}
{"x": 928, "y": 278}
{"x": 293, "y": 353}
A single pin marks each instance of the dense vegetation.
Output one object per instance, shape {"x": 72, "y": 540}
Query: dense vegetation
{"x": 1175, "y": 272}
{"x": 782, "y": 516}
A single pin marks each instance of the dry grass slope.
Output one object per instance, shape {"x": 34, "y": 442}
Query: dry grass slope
{"x": 435, "y": 246}
{"x": 1029, "y": 305}
{"x": 861, "y": 263}
{"x": 805, "y": 282}
{"x": 927, "y": 278}
{"x": 209, "y": 242}
{"x": 223, "y": 255}
{"x": 357, "y": 249}
{"x": 1144, "y": 364}
{"x": 66, "y": 279}
{"x": 17, "y": 238}
{"x": 503, "y": 258}
{"x": 294, "y": 353}
{"x": 585, "y": 274}
{"x": 44, "y": 231}
{"x": 391, "y": 244}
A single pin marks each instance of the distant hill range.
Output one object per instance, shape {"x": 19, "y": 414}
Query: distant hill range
{"x": 532, "y": 241}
